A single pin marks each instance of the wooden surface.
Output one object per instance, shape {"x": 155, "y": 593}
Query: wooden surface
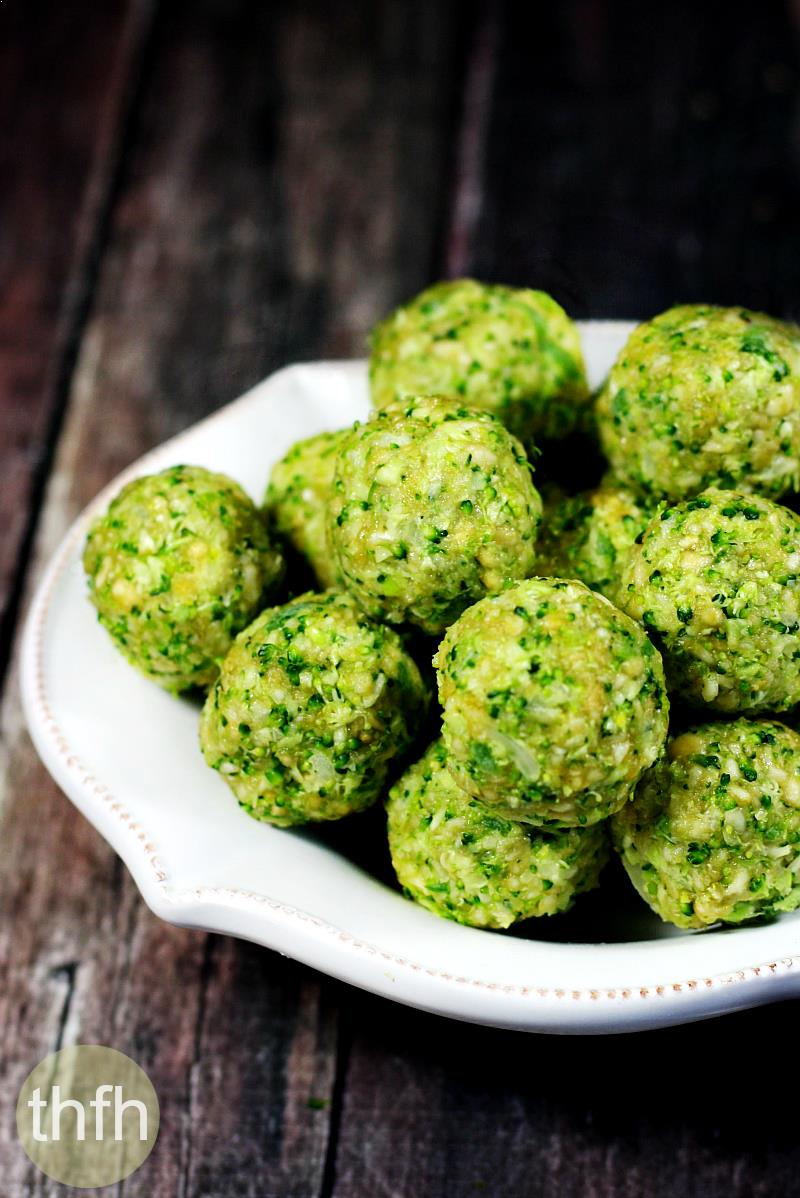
{"x": 195, "y": 193}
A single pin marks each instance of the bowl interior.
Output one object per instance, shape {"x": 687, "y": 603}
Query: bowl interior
{"x": 137, "y": 759}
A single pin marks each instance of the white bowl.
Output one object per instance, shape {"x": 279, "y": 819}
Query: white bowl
{"x": 126, "y": 753}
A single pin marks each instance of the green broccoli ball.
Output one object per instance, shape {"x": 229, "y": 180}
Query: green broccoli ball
{"x": 297, "y": 497}
{"x": 704, "y": 396}
{"x": 512, "y": 352}
{"x": 433, "y": 507}
{"x": 459, "y": 859}
{"x": 554, "y": 703}
{"x": 313, "y": 703}
{"x": 713, "y": 832}
{"x": 589, "y": 536}
{"x": 715, "y": 583}
{"x": 179, "y": 563}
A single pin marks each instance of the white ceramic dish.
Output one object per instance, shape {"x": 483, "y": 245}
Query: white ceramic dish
{"x": 126, "y": 754}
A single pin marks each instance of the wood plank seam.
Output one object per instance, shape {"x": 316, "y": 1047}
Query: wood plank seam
{"x": 75, "y": 304}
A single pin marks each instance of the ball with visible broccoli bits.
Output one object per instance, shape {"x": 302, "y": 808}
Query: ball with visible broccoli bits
{"x": 511, "y": 351}
{"x": 715, "y": 583}
{"x": 589, "y": 536}
{"x": 713, "y": 833}
{"x": 461, "y": 860}
{"x": 179, "y": 563}
{"x": 297, "y": 499}
{"x": 433, "y": 507}
{"x": 554, "y": 703}
{"x": 313, "y": 704}
{"x": 703, "y": 396}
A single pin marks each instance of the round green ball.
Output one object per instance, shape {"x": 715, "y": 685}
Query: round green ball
{"x": 713, "y": 833}
{"x": 313, "y": 704}
{"x": 714, "y": 581}
{"x": 554, "y": 703}
{"x": 433, "y": 507}
{"x": 297, "y": 499}
{"x": 458, "y": 858}
{"x": 177, "y": 565}
{"x": 703, "y": 396}
{"x": 589, "y": 536}
{"x": 510, "y": 351}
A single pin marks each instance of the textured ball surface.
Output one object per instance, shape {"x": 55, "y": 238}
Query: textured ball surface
{"x": 179, "y": 563}
{"x": 713, "y": 833}
{"x": 554, "y": 703}
{"x": 589, "y": 536}
{"x": 297, "y": 500}
{"x": 703, "y": 396}
{"x": 715, "y": 583}
{"x": 313, "y": 703}
{"x": 510, "y": 351}
{"x": 433, "y": 507}
{"x": 459, "y": 859}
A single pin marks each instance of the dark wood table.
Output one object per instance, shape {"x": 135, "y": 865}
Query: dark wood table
{"x": 193, "y": 194}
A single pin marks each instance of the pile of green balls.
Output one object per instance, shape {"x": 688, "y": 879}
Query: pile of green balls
{"x": 561, "y": 625}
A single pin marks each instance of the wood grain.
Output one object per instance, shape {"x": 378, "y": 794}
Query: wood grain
{"x": 642, "y": 155}
{"x": 457, "y": 1110}
{"x": 287, "y": 177}
{"x": 64, "y": 118}
{"x": 625, "y": 157}
{"x": 282, "y": 182}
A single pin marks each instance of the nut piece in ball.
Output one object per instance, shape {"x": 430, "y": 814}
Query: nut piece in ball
{"x": 458, "y": 858}
{"x": 713, "y": 833}
{"x": 179, "y": 563}
{"x": 433, "y": 507}
{"x": 313, "y": 704}
{"x": 554, "y": 703}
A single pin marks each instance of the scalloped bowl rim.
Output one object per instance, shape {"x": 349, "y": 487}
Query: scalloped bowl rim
{"x": 546, "y": 987}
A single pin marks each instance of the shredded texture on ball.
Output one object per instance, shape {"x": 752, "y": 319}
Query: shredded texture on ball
{"x": 511, "y": 351}
{"x": 715, "y": 583}
{"x": 703, "y": 396}
{"x": 433, "y": 507}
{"x": 458, "y": 858}
{"x": 179, "y": 563}
{"x": 297, "y": 500}
{"x": 713, "y": 833}
{"x": 589, "y": 536}
{"x": 313, "y": 703}
{"x": 554, "y": 703}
